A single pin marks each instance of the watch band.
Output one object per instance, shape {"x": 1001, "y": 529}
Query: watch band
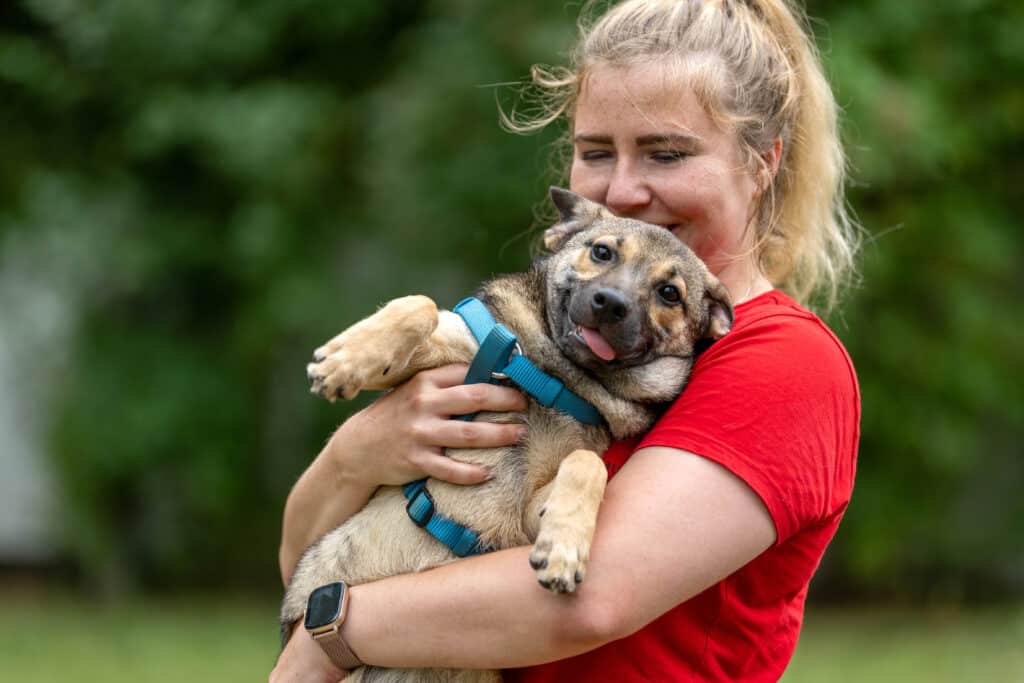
{"x": 329, "y": 636}
{"x": 337, "y": 649}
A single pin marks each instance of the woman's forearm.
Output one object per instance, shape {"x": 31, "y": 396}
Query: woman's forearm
{"x": 487, "y": 612}
{"x": 397, "y": 439}
{"x": 323, "y": 497}
{"x": 650, "y": 553}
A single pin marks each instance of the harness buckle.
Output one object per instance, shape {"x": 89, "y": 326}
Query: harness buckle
{"x": 424, "y": 511}
{"x": 517, "y": 351}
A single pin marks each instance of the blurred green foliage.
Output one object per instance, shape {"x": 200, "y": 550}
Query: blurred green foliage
{"x": 207, "y": 190}
{"x": 935, "y": 130}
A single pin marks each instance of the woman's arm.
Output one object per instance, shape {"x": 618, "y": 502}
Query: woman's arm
{"x": 672, "y": 524}
{"x": 395, "y": 440}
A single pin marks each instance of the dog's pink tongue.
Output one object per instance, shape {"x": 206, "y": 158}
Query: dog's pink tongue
{"x": 597, "y": 344}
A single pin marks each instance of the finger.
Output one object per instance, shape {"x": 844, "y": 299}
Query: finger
{"x": 473, "y": 398}
{"x": 462, "y": 434}
{"x": 444, "y": 376}
{"x": 444, "y": 468}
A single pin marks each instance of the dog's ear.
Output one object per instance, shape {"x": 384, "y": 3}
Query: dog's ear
{"x": 577, "y": 213}
{"x": 720, "y": 313}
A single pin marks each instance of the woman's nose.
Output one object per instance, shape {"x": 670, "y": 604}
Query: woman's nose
{"x": 627, "y": 191}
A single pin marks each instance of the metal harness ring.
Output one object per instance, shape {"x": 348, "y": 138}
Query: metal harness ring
{"x": 518, "y": 350}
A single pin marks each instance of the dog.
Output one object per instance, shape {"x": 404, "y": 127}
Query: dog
{"x": 617, "y": 311}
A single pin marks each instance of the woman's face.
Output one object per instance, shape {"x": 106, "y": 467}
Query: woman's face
{"x": 651, "y": 152}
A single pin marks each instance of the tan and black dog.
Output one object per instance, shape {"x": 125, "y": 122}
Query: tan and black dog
{"x": 616, "y": 311}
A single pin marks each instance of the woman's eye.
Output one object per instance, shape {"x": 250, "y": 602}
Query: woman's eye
{"x": 668, "y": 156}
{"x": 669, "y": 294}
{"x": 601, "y": 253}
{"x": 595, "y": 155}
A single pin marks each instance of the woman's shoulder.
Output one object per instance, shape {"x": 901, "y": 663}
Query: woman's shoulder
{"x": 774, "y": 331}
{"x": 775, "y": 307}
{"x": 776, "y": 402}
{"x": 778, "y": 352}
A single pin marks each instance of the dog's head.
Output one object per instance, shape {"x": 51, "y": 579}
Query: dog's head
{"x": 628, "y": 301}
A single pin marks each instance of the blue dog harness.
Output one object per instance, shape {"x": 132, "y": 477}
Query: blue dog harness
{"x": 498, "y": 358}
{"x": 462, "y": 541}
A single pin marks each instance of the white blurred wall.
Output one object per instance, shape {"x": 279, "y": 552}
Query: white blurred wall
{"x": 35, "y": 322}
{"x": 28, "y": 500}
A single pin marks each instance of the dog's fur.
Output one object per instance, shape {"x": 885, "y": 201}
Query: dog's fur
{"x": 547, "y": 489}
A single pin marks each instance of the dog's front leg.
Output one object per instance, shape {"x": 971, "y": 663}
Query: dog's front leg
{"x": 567, "y": 520}
{"x": 402, "y": 338}
{"x": 375, "y": 353}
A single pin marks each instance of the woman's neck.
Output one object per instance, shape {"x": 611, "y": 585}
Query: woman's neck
{"x": 744, "y": 281}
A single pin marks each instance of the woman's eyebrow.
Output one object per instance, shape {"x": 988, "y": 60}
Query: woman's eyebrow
{"x": 594, "y": 139}
{"x": 668, "y": 139}
{"x": 656, "y": 139}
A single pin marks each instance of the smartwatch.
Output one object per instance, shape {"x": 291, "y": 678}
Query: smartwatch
{"x": 325, "y": 613}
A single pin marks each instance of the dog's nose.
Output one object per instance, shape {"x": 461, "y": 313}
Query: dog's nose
{"x": 609, "y": 305}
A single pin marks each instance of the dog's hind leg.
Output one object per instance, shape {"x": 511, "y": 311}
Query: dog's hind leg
{"x": 568, "y": 519}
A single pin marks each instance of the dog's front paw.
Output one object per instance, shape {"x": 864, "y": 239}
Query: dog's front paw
{"x": 343, "y": 371}
{"x": 567, "y": 520}
{"x": 559, "y": 559}
{"x": 374, "y": 351}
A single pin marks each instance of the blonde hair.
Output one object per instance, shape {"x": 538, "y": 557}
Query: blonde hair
{"x": 754, "y": 69}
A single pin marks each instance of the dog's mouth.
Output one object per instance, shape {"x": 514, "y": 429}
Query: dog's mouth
{"x": 593, "y": 349}
{"x": 593, "y": 340}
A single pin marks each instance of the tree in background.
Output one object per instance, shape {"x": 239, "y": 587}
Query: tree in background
{"x": 935, "y": 127}
{"x": 204, "y": 191}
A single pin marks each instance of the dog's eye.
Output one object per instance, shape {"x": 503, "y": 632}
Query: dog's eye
{"x": 669, "y": 294}
{"x": 601, "y": 254}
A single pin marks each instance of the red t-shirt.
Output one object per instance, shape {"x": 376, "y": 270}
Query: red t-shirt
{"x": 775, "y": 402}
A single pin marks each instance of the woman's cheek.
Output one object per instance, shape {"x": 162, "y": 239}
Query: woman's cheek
{"x": 588, "y": 183}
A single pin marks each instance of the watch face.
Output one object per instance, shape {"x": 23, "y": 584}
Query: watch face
{"x": 324, "y": 605}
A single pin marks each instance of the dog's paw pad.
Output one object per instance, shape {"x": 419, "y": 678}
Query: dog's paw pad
{"x": 336, "y": 376}
{"x": 559, "y": 567}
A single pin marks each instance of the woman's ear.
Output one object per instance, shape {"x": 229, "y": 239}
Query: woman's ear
{"x": 771, "y": 157}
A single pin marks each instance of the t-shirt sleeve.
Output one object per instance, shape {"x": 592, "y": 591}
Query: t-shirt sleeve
{"x": 776, "y": 403}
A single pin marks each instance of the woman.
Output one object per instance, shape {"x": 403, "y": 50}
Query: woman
{"x": 714, "y": 120}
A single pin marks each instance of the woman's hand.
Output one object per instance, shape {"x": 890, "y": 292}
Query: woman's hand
{"x": 398, "y": 439}
{"x": 401, "y": 437}
{"x": 302, "y": 661}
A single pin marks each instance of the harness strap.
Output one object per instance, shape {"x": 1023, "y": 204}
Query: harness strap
{"x": 499, "y": 357}
{"x": 461, "y": 540}
{"x": 495, "y": 350}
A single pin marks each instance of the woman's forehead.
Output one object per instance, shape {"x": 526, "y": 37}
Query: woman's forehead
{"x": 648, "y": 96}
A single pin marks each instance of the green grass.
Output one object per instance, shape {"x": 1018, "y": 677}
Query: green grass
{"x": 56, "y": 637}
{"x": 60, "y": 638}
{"x": 937, "y": 645}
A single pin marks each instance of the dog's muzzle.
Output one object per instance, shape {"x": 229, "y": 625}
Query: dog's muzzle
{"x": 608, "y": 306}
{"x": 608, "y": 312}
